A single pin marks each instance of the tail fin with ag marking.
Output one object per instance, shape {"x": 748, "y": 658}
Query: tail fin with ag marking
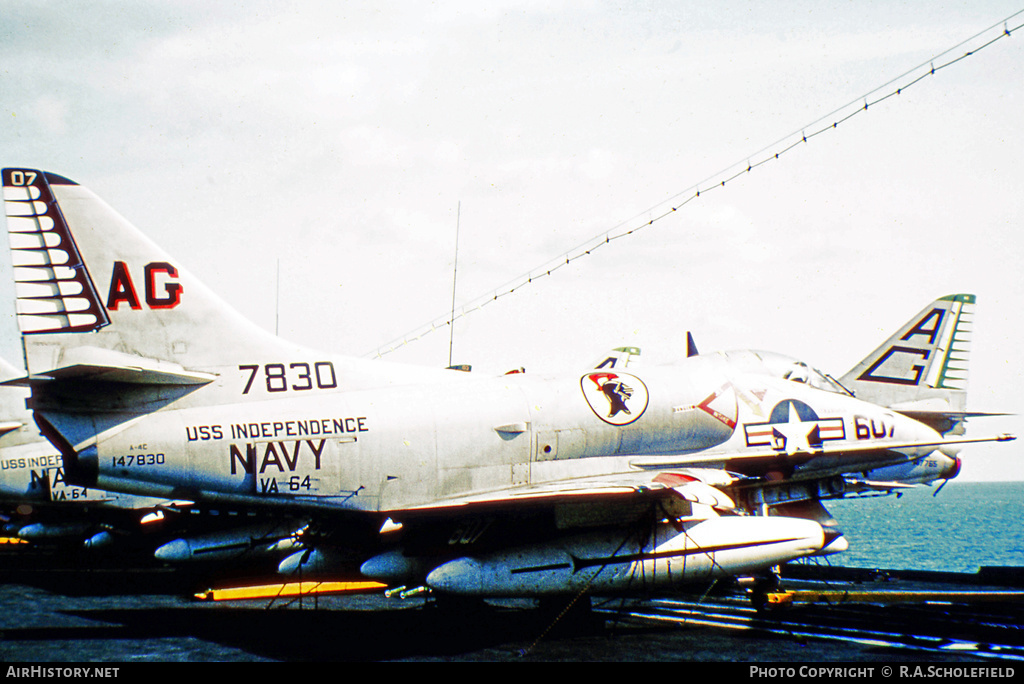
{"x": 79, "y": 267}
{"x": 114, "y": 329}
{"x": 921, "y": 370}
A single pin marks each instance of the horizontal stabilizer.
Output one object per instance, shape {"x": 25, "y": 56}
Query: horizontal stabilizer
{"x": 90, "y": 365}
{"x": 9, "y": 371}
{"x": 9, "y": 426}
{"x": 126, "y": 374}
{"x": 946, "y": 422}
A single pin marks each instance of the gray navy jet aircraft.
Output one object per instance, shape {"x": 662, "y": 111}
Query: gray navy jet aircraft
{"x": 613, "y": 479}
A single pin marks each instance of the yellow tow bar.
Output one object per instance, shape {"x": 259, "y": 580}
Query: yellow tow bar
{"x": 289, "y": 589}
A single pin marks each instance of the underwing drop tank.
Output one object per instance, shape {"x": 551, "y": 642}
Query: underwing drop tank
{"x": 612, "y": 561}
{"x": 227, "y": 544}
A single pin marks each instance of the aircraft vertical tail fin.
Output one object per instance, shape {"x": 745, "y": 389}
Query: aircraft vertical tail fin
{"x": 619, "y": 357}
{"x": 93, "y": 292}
{"x": 922, "y": 368}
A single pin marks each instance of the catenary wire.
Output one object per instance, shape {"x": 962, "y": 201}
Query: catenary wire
{"x": 674, "y": 203}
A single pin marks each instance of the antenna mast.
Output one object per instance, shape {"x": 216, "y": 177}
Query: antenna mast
{"x": 455, "y": 275}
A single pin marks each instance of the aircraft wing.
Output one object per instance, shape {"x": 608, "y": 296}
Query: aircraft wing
{"x": 687, "y": 485}
{"x": 839, "y": 459}
{"x": 689, "y": 477}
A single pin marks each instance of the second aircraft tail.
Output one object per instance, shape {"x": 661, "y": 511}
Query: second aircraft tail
{"x": 922, "y": 368}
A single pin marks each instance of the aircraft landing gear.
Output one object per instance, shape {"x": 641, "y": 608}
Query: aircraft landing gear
{"x": 763, "y": 586}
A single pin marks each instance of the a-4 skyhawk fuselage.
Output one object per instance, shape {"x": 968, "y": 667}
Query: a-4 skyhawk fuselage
{"x": 456, "y": 436}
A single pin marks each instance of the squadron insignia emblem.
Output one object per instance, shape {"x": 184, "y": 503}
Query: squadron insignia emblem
{"x": 616, "y": 398}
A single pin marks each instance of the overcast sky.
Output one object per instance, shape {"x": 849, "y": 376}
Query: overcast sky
{"x": 342, "y": 143}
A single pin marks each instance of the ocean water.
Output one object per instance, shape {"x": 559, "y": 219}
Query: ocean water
{"x": 966, "y": 526}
